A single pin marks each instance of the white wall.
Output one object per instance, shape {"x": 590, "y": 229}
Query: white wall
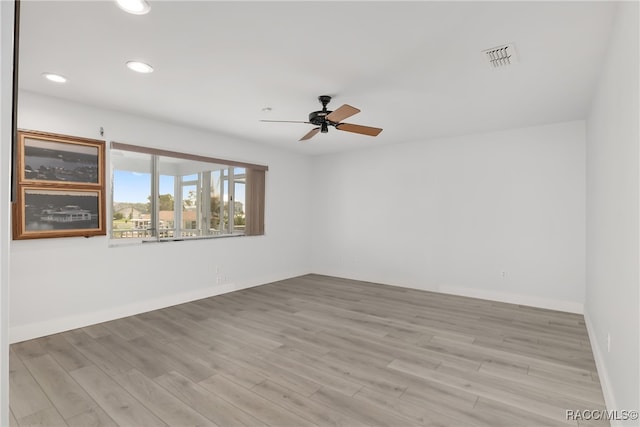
{"x": 451, "y": 214}
{"x": 58, "y": 284}
{"x": 613, "y": 279}
{"x": 6, "y": 108}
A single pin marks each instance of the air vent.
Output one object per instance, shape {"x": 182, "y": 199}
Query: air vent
{"x": 501, "y": 56}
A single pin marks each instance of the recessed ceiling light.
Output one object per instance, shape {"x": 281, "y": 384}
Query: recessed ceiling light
{"x": 136, "y": 7}
{"x": 140, "y": 67}
{"x": 54, "y": 77}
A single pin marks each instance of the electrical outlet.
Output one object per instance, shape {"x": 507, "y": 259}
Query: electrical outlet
{"x": 503, "y": 274}
{"x": 219, "y": 277}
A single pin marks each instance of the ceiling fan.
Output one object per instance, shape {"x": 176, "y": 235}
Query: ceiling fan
{"x": 325, "y": 118}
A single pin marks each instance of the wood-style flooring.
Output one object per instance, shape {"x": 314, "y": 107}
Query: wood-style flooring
{"x": 312, "y": 351}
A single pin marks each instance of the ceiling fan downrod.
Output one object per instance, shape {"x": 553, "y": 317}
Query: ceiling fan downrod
{"x": 324, "y": 100}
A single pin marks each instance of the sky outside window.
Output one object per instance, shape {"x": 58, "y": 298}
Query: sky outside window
{"x": 135, "y": 187}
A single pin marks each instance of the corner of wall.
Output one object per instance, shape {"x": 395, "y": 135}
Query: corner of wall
{"x": 598, "y": 355}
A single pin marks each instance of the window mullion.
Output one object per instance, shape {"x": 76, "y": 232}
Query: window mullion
{"x": 221, "y": 207}
{"x": 155, "y": 198}
{"x": 199, "y": 204}
{"x": 205, "y": 207}
{"x": 177, "y": 206}
{"x": 232, "y": 204}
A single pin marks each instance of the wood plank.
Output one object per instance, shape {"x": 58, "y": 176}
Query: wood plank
{"x": 571, "y": 376}
{"x": 364, "y": 411}
{"x": 276, "y": 373}
{"x": 63, "y": 352}
{"x": 577, "y": 391}
{"x": 246, "y": 338}
{"x": 25, "y": 395}
{"x": 65, "y": 394}
{"x": 123, "y": 408}
{"x": 353, "y": 372}
{"x": 312, "y": 373}
{"x": 94, "y": 331}
{"x": 508, "y": 415}
{"x": 206, "y": 403}
{"x": 252, "y": 403}
{"x": 163, "y": 404}
{"x": 237, "y": 373}
{"x": 98, "y": 354}
{"x": 12, "y": 420}
{"x": 414, "y": 413}
{"x": 28, "y": 349}
{"x": 175, "y": 358}
{"x": 316, "y": 413}
{"x": 94, "y": 417}
{"x": 48, "y": 417}
{"x": 504, "y": 391}
{"x": 123, "y": 329}
{"x": 138, "y": 355}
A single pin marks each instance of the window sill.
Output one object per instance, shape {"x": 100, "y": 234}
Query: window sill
{"x": 116, "y": 243}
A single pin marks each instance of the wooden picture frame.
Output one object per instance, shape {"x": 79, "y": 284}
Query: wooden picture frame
{"x": 60, "y": 186}
{"x": 45, "y": 158}
{"x": 43, "y": 212}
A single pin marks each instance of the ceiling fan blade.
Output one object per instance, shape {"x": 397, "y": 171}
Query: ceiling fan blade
{"x": 284, "y": 121}
{"x": 364, "y": 130}
{"x": 310, "y": 134}
{"x": 342, "y": 113}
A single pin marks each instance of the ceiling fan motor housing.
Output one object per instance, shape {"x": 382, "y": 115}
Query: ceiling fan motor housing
{"x": 319, "y": 117}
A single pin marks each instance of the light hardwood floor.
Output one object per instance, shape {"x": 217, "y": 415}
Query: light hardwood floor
{"x": 312, "y": 351}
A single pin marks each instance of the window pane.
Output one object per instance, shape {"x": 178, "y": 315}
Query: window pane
{"x": 166, "y": 206}
{"x": 215, "y": 207}
{"x": 239, "y": 200}
{"x": 190, "y": 206}
{"x": 225, "y": 203}
{"x": 131, "y": 195}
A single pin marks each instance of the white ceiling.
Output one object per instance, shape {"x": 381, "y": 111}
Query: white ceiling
{"x": 413, "y": 68}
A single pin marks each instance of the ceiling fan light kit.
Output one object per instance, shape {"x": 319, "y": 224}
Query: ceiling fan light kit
{"x": 325, "y": 118}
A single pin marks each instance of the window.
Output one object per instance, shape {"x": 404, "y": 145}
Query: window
{"x": 162, "y": 195}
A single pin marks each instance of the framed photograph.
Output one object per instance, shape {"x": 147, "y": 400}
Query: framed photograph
{"x": 60, "y": 186}
{"x": 47, "y": 212}
{"x": 45, "y": 158}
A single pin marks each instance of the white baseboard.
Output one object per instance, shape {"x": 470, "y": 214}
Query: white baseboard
{"x": 61, "y": 324}
{"x": 605, "y": 382}
{"x": 520, "y": 299}
{"x": 511, "y": 298}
